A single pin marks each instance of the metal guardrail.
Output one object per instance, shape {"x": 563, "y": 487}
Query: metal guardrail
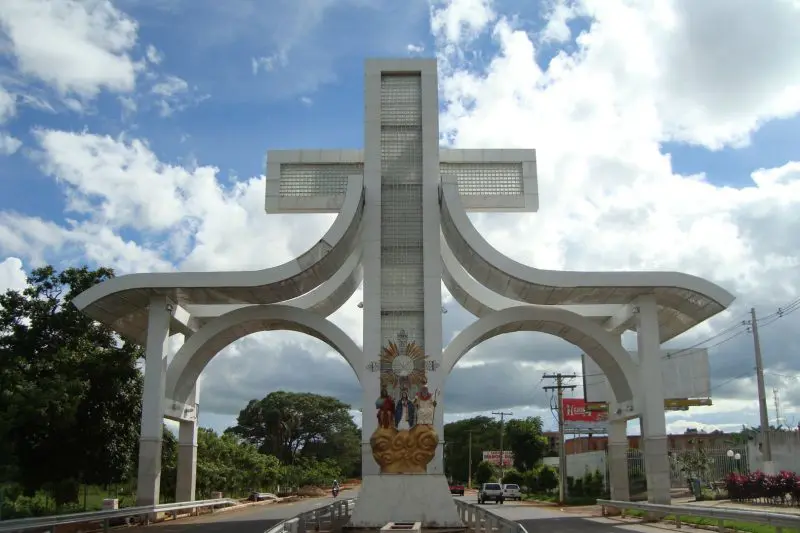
{"x": 319, "y": 519}
{"x": 776, "y": 520}
{"x": 46, "y": 523}
{"x": 478, "y": 519}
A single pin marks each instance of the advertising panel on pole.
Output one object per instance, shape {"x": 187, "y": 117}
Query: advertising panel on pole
{"x": 579, "y": 419}
{"x": 493, "y": 457}
{"x": 686, "y": 376}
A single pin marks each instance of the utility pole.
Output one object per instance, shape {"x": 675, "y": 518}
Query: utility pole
{"x": 766, "y": 445}
{"x": 776, "y": 395}
{"x": 469, "y": 469}
{"x": 559, "y": 387}
{"x": 502, "y": 416}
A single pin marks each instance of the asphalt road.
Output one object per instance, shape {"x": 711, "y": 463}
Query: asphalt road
{"x": 551, "y": 520}
{"x": 259, "y": 518}
{"x": 255, "y": 519}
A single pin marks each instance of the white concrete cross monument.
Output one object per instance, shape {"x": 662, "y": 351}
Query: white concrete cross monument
{"x": 402, "y": 168}
{"x": 402, "y": 227}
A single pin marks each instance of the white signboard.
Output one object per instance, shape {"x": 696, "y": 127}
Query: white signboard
{"x": 493, "y": 457}
{"x": 685, "y": 374}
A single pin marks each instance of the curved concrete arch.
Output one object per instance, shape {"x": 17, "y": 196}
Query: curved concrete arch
{"x": 117, "y": 297}
{"x": 603, "y": 347}
{"x": 201, "y": 347}
{"x": 481, "y": 301}
{"x": 691, "y": 296}
{"x": 324, "y": 300}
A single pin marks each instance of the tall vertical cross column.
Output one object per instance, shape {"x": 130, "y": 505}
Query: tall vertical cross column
{"x": 402, "y": 275}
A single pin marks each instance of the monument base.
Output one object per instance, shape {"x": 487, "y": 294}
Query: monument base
{"x": 421, "y": 498}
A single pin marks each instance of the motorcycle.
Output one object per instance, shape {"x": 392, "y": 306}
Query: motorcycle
{"x": 335, "y": 491}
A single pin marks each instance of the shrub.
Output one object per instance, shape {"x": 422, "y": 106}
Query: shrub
{"x": 484, "y": 473}
{"x": 512, "y": 476}
{"x": 548, "y": 479}
{"x": 758, "y": 486}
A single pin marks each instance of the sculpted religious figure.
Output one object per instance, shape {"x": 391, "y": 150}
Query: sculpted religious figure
{"x": 404, "y": 412}
{"x": 386, "y": 410}
{"x": 424, "y": 405}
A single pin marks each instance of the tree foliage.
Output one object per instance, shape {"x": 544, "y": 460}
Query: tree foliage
{"x": 526, "y": 440}
{"x": 522, "y": 437}
{"x": 69, "y": 387}
{"x": 296, "y": 426}
{"x": 485, "y": 436}
{"x": 484, "y": 473}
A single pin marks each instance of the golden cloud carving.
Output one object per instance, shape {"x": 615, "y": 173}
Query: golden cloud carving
{"x": 406, "y": 451}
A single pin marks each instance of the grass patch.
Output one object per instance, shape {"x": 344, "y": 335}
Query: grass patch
{"x": 553, "y": 498}
{"x": 747, "y": 527}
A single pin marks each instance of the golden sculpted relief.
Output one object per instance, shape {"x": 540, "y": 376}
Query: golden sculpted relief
{"x": 405, "y": 441}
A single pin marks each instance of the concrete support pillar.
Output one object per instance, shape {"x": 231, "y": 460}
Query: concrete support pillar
{"x": 651, "y": 398}
{"x": 187, "y": 454}
{"x": 149, "y": 474}
{"x": 618, "y": 460}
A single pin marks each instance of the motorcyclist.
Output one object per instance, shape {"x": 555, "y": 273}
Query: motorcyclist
{"x": 335, "y": 487}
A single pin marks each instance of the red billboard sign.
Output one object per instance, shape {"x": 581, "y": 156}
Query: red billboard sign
{"x": 493, "y": 457}
{"x": 579, "y": 419}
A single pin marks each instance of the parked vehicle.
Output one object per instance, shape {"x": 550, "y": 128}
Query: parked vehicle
{"x": 490, "y": 492}
{"x": 456, "y": 489}
{"x": 511, "y": 492}
{"x": 260, "y": 496}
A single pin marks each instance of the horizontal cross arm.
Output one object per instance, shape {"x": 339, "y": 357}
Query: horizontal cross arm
{"x": 309, "y": 181}
{"x": 492, "y": 180}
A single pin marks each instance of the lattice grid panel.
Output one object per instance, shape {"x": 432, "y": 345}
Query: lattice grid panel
{"x": 402, "y": 299}
{"x": 323, "y": 179}
{"x": 486, "y": 179}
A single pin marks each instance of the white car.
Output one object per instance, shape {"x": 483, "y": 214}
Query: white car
{"x": 490, "y": 492}
{"x": 511, "y": 492}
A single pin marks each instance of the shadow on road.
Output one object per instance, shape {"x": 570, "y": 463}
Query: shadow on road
{"x": 222, "y": 526}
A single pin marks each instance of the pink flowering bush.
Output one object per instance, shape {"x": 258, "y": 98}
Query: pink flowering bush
{"x": 766, "y": 488}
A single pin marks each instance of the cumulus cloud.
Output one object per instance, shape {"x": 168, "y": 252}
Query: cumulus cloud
{"x": 78, "y": 46}
{"x": 12, "y": 275}
{"x": 599, "y": 113}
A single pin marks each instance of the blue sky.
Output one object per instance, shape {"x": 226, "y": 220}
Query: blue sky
{"x": 646, "y": 156}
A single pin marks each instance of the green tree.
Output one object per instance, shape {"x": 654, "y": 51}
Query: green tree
{"x": 548, "y": 478}
{"x": 512, "y": 476}
{"x": 484, "y": 473}
{"x": 526, "y": 440}
{"x": 485, "y": 436}
{"x": 226, "y": 463}
{"x": 70, "y": 390}
{"x": 169, "y": 466}
{"x": 292, "y": 426}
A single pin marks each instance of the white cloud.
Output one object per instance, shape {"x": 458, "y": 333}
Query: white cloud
{"x": 78, "y": 46}
{"x": 460, "y": 20}
{"x": 305, "y": 100}
{"x": 153, "y": 55}
{"x": 12, "y": 275}
{"x": 269, "y": 63}
{"x": 415, "y": 48}
{"x": 170, "y": 86}
{"x": 8, "y": 144}
{"x": 8, "y": 105}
